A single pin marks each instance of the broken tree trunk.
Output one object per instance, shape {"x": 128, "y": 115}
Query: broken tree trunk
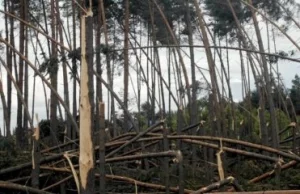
{"x": 36, "y": 156}
{"x": 86, "y": 154}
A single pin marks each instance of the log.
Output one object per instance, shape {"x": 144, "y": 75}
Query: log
{"x": 271, "y": 173}
{"x": 262, "y": 192}
{"x": 29, "y": 164}
{"x": 135, "y": 138}
{"x": 125, "y": 179}
{"x": 228, "y": 181}
{"x": 14, "y": 186}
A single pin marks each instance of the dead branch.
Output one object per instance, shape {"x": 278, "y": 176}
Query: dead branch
{"x": 26, "y": 178}
{"x": 237, "y": 151}
{"x": 135, "y": 138}
{"x": 262, "y": 192}
{"x": 58, "y": 183}
{"x": 176, "y": 154}
{"x": 14, "y": 186}
{"x": 122, "y": 178}
{"x": 271, "y": 173}
{"x": 228, "y": 181}
{"x": 29, "y": 164}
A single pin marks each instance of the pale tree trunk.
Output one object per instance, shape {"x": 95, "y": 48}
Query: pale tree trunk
{"x": 86, "y": 155}
{"x": 36, "y": 156}
{"x": 265, "y": 72}
{"x": 126, "y": 61}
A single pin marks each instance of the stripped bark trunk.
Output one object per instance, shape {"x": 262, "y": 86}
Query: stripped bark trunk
{"x": 36, "y": 156}
{"x": 86, "y": 155}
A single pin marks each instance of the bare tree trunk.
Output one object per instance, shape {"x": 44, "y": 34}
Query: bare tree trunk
{"x": 64, "y": 66}
{"x": 109, "y": 73}
{"x": 9, "y": 64}
{"x": 126, "y": 61}
{"x": 99, "y": 97}
{"x": 263, "y": 128}
{"x": 36, "y": 156}
{"x": 86, "y": 156}
{"x": 72, "y": 133}
{"x": 211, "y": 64}
{"x": 193, "y": 103}
{"x": 25, "y": 119}
{"x": 274, "y": 125}
{"x": 53, "y": 76}
{"x": 4, "y": 106}
{"x": 102, "y": 141}
{"x": 20, "y": 133}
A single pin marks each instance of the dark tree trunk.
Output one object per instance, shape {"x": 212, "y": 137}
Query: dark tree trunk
{"x": 53, "y": 76}
{"x": 9, "y": 64}
{"x": 20, "y": 133}
{"x": 126, "y": 61}
{"x": 274, "y": 124}
{"x": 72, "y": 133}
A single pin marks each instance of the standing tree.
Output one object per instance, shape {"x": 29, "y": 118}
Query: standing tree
{"x": 126, "y": 61}
{"x": 20, "y": 133}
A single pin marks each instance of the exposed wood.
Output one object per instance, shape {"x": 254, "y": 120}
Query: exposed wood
{"x": 36, "y": 156}
{"x": 86, "y": 150}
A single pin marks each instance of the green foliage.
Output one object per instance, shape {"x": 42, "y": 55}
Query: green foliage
{"x": 35, "y": 15}
{"x": 45, "y": 132}
{"x": 171, "y": 120}
{"x": 224, "y": 22}
{"x": 49, "y": 66}
{"x": 174, "y": 11}
{"x": 7, "y": 144}
{"x": 295, "y": 93}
